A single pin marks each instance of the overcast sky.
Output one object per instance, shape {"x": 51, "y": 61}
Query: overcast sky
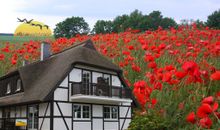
{"x": 51, "y": 12}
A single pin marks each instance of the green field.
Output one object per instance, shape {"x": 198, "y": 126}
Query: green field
{"x": 19, "y": 39}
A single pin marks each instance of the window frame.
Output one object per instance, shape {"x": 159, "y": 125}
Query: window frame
{"x": 111, "y": 112}
{"x": 82, "y": 112}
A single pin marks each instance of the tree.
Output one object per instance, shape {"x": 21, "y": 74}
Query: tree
{"x": 120, "y": 23}
{"x": 155, "y": 19}
{"x": 102, "y": 26}
{"x": 166, "y": 23}
{"x": 135, "y": 20}
{"x": 70, "y": 27}
{"x": 213, "y": 20}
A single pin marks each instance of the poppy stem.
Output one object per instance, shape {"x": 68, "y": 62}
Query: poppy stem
{"x": 216, "y": 117}
{"x": 208, "y": 88}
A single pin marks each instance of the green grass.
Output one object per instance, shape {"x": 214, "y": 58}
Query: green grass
{"x": 19, "y": 39}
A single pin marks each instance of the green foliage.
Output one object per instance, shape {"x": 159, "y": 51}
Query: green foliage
{"x": 214, "y": 20}
{"x": 167, "y": 22}
{"x": 70, "y": 27}
{"x": 136, "y": 20}
{"x": 151, "y": 121}
{"x": 120, "y": 23}
{"x": 103, "y": 27}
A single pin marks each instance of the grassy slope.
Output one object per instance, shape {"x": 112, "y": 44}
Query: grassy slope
{"x": 18, "y": 39}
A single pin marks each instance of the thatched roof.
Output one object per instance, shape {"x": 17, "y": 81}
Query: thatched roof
{"x": 41, "y": 78}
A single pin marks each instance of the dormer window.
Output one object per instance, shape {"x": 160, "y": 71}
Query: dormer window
{"x": 18, "y": 85}
{"x": 8, "y": 88}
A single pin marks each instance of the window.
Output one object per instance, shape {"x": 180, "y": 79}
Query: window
{"x": 18, "y": 85}
{"x": 81, "y": 111}
{"x": 33, "y": 117}
{"x": 8, "y": 91}
{"x": 116, "y": 81}
{"x": 110, "y": 112}
{"x": 107, "y": 78}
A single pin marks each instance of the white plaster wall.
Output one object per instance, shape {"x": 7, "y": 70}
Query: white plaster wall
{"x": 59, "y": 124}
{"x": 76, "y": 75}
{"x": 82, "y": 125}
{"x": 97, "y": 124}
{"x": 45, "y": 125}
{"x": 42, "y": 109}
{"x": 97, "y": 111}
{"x": 95, "y": 75}
{"x": 116, "y": 81}
{"x": 126, "y": 124}
{"x": 61, "y": 94}
{"x": 69, "y": 122}
{"x": 65, "y": 82}
{"x": 111, "y": 125}
{"x": 66, "y": 109}
{"x": 123, "y": 111}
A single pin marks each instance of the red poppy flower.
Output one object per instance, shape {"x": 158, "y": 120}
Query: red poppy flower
{"x": 167, "y": 77}
{"x": 136, "y": 68}
{"x": 2, "y": 56}
{"x": 204, "y": 110}
{"x": 191, "y": 118}
{"x": 180, "y": 74}
{"x": 215, "y": 76}
{"x": 149, "y": 58}
{"x": 209, "y": 100}
{"x": 154, "y": 101}
{"x": 189, "y": 66}
{"x": 215, "y": 106}
{"x": 152, "y": 65}
{"x": 205, "y": 122}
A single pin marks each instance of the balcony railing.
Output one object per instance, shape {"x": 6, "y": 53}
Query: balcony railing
{"x": 100, "y": 90}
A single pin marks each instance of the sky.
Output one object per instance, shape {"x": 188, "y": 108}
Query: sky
{"x": 52, "y": 12}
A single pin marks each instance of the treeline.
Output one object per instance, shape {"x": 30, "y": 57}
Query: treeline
{"x": 135, "y": 21}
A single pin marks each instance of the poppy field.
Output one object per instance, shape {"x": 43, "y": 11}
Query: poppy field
{"x": 174, "y": 73}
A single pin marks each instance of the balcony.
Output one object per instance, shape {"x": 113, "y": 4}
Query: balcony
{"x": 99, "y": 93}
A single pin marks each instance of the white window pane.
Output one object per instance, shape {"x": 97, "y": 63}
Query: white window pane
{"x": 95, "y": 76}
{"x": 116, "y": 81}
{"x": 18, "y": 85}
{"x": 107, "y": 78}
{"x": 76, "y": 75}
{"x": 8, "y": 88}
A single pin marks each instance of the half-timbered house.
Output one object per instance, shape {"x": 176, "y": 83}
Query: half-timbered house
{"x": 76, "y": 89}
